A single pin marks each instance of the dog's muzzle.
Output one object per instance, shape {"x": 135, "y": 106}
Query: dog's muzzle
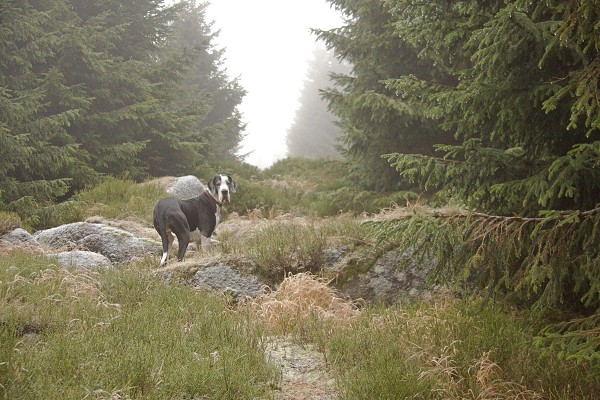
{"x": 224, "y": 196}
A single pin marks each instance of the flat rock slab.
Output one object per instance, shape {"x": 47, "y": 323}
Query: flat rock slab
{"x": 81, "y": 259}
{"x": 222, "y": 277}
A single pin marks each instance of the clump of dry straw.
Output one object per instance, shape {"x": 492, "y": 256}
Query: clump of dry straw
{"x": 301, "y": 296}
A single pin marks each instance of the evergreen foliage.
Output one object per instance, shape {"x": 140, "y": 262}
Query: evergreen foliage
{"x": 522, "y": 149}
{"x": 508, "y": 91}
{"x": 39, "y": 159}
{"x": 314, "y": 132}
{"x": 205, "y": 85}
{"x": 124, "y": 88}
{"x": 373, "y": 120}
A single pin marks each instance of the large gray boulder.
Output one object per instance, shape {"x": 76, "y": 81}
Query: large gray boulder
{"x": 185, "y": 187}
{"x": 115, "y": 244}
{"x": 81, "y": 259}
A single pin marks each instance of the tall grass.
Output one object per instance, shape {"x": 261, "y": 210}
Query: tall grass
{"x": 121, "y": 199}
{"x": 121, "y": 334}
{"x": 450, "y": 350}
{"x": 288, "y": 246}
{"x": 74, "y": 334}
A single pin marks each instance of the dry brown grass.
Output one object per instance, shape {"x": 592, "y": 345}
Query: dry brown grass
{"x": 300, "y": 297}
{"x": 396, "y": 212}
{"x": 492, "y": 386}
{"x": 67, "y": 286}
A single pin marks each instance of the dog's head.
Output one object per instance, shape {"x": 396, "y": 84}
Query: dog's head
{"x": 220, "y": 187}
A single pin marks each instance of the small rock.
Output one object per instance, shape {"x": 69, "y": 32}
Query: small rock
{"x": 224, "y": 278}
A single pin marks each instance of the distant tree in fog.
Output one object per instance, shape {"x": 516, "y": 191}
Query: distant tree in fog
{"x": 217, "y": 133}
{"x": 313, "y": 132}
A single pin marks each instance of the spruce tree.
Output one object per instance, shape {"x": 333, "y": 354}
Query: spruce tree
{"x": 314, "y": 132}
{"x": 514, "y": 84}
{"x": 89, "y": 88}
{"x": 521, "y": 148}
{"x": 372, "y": 118}
{"x": 217, "y": 130}
{"x": 39, "y": 160}
{"x": 115, "y": 57}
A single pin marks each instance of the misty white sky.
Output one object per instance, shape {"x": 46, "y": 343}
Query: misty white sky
{"x": 267, "y": 45}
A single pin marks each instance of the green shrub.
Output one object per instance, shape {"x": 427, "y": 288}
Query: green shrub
{"x": 9, "y": 221}
{"x": 265, "y": 196}
{"x": 287, "y": 248}
{"x": 35, "y": 215}
{"x": 57, "y": 214}
{"x": 320, "y": 171}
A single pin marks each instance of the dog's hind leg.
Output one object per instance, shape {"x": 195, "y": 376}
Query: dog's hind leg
{"x": 183, "y": 239}
{"x": 168, "y": 240}
{"x": 182, "y": 230}
{"x": 167, "y": 243}
{"x": 206, "y": 242}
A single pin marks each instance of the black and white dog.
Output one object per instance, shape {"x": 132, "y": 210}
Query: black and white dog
{"x": 194, "y": 219}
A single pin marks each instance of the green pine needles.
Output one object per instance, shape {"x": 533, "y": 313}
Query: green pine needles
{"x": 548, "y": 264}
{"x": 494, "y": 107}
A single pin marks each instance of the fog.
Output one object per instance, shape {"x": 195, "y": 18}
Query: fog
{"x": 268, "y": 45}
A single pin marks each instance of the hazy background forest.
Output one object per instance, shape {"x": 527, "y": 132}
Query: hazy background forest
{"x": 491, "y": 107}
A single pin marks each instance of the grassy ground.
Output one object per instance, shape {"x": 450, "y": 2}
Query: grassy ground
{"x": 126, "y": 334}
{"x": 122, "y": 334}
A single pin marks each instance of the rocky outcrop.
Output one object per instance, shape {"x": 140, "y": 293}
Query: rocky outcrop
{"x": 358, "y": 272}
{"x": 20, "y": 238}
{"x": 115, "y": 244}
{"x": 392, "y": 277}
{"x": 185, "y": 187}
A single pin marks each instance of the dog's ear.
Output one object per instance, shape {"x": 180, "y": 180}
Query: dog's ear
{"x": 233, "y": 185}
{"x": 212, "y": 184}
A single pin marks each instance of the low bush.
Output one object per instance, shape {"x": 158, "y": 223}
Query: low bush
{"x": 9, "y": 221}
{"x": 287, "y": 246}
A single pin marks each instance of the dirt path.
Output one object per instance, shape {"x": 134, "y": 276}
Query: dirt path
{"x": 305, "y": 375}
